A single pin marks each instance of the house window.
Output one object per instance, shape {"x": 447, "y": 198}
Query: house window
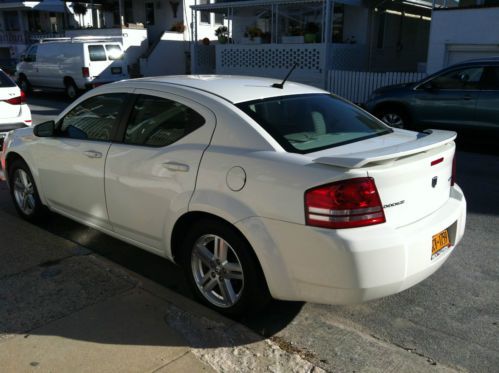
{"x": 219, "y": 18}
{"x": 11, "y": 21}
{"x": 205, "y": 16}
{"x": 338, "y": 17}
{"x": 149, "y": 14}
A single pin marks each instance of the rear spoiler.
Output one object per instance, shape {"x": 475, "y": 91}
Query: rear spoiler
{"x": 426, "y": 140}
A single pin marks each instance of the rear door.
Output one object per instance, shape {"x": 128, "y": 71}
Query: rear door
{"x": 106, "y": 62}
{"x": 151, "y": 176}
{"x": 487, "y": 118}
{"x": 449, "y": 100}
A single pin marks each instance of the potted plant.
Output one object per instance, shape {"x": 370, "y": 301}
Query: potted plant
{"x": 253, "y": 35}
{"x": 295, "y": 34}
{"x": 222, "y": 33}
{"x": 178, "y": 27}
{"x": 311, "y": 32}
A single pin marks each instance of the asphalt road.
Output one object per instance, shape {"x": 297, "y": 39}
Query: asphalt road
{"x": 450, "y": 321}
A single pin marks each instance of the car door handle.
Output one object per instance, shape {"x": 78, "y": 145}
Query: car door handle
{"x": 174, "y": 166}
{"x": 468, "y": 97}
{"x": 93, "y": 154}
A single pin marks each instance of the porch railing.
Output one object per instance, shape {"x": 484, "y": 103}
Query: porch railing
{"x": 357, "y": 86}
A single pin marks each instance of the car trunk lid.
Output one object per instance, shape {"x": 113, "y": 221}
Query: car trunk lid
{"x": 412, "y": 171}
{"x": 9, "y": 109}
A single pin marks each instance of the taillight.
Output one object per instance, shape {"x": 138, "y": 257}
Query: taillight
{"x": 85, "y": 71}
{"x": 344, "y": 204}
{"x": 21, "y": 99}
{"x": 453, "y": 175}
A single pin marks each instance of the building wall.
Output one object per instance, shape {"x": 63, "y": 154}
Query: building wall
{"x": 473, "y": 29}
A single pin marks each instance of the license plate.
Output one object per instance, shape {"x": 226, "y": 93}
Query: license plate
{"x": 439, "y": 241}
{"x": 116, "y": 70}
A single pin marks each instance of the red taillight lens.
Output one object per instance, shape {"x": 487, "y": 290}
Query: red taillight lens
{"x": 453, "y": 175}
{"x": 85, "y": 72}
{"x": 21, "y": 99}
{"x": 344, "y": 204}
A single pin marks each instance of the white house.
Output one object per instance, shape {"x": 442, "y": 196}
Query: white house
{"x": 267, "y": 37}
{"x": 462, "y": 31}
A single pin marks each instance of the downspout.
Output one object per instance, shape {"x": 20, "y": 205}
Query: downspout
{"x": 328, "y": 40}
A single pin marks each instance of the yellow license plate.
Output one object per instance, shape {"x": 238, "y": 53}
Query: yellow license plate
{"x": 439, "y": 242}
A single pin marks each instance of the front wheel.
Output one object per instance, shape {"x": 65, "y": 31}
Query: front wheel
{"x": 222, "y": 269}
{"x": 71, "y": 90}
{"x": 23, "y": 191}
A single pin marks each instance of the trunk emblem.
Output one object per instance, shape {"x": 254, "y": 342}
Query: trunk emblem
{"x": 434, "y": 181}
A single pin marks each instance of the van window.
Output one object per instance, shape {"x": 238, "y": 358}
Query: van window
{"x": 114, "y": 52}
{"x": 97, "y": 53}
{"x": 31, "y": 55}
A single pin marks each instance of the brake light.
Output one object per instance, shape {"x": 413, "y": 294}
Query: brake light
{"x": 453, "y": 175}
{"x": 21, "y": 99}
{"x": 85, "y": 71}
{"x": 344, "y": 204}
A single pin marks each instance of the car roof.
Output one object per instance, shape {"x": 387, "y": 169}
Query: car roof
{"x": 232, "y": 88}
{"x": 478, "y": 61}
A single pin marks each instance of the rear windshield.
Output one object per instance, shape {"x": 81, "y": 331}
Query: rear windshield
{"x": 5, "y": 81}
{"x": 114, "y": 52}
{"x": 97, "y": 53}
{"x": 312, "y": 122}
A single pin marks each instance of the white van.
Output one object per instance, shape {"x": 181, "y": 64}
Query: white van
{"x": 71, "y": 64}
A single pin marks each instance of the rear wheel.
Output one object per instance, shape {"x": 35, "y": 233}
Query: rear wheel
{"x": 394, "y": 117}
{"x": 23, "y": 191}
{"x": 71, "y": 89}
{"x": 222, "y": 270}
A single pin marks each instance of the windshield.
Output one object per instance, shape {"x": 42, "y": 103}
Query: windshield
{"x": 312, "y": 122}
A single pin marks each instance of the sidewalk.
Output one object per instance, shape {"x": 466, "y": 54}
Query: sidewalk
{"x": 65, "y": 309}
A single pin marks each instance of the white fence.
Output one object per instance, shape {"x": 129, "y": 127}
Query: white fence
{"x": 356, "y": 86}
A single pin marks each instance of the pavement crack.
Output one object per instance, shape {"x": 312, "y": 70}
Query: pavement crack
{"x": 170, "y": 362}
{"x": 430, "y": 360}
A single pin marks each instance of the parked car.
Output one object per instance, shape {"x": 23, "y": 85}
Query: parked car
{"x": 71, "y": 64}
{"x": 14, "y": 112}
{"x": 463, "y": 97}
{"x": 253, "y": 189}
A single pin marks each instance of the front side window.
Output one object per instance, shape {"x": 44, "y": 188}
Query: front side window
{"x": 156, "y": 121}
{"x": 466, "y": 78}
{"x": 308, "y": 123}
{"x": 97, "y": 53}
{"x": 93, "y": 119}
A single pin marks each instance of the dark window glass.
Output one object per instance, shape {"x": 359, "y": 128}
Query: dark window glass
{"x": 219, "y": 18}
{"x": 97, "y": 53}
{"x": 93, "y": 119}
{"x": 466, "y": 78}
{"x": 157, "y": 121}
{"x": 5, "y": 81}
{"x": 205, "y": 15}
{"x": 31, "y": 55}
{"x": 114, "y": 52}
{"x": 307, "y": 123}
{"x": 338, "y": 17}
{"x": 149, "y": 14}
{"x": 490, "y": 79}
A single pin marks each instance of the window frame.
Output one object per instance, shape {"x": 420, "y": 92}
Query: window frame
{"x": 121, "y": 133}
{"x": 420, "y": 86}
{"x": 117, "y": 125}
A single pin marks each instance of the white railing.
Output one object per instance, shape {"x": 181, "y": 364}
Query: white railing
{"x": 356, "y": 86}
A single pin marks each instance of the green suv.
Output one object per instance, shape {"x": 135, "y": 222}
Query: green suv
{"x": 463, "y": 97}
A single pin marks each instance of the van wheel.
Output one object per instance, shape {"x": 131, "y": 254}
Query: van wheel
{"x": 24, "y": 84}
{"x": 222, "y": 270}
{"x": 71, "y": 90}
{"x": 24, "y": 192}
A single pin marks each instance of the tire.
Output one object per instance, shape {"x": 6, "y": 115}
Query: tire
{"x": 24, "y": 192}
{"x": 71, "y": 89}
{"x": 24, "y": 84}
{"x": 228, "y": 280}
{"x": 394, "y": 117}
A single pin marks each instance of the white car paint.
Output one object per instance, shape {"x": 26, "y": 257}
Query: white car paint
{"x": 145, "y": 196}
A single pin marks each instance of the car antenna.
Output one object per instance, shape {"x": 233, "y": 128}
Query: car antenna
{"x": 281, "y": 85}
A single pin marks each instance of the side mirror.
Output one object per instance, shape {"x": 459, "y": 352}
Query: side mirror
{"x": 45, "y": 129}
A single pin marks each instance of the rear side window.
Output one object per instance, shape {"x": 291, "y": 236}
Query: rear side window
{"x": 490, "y": 79}
{"x": 93, "y": 119}
{"x": 97, "y": 53}
{"x": 466, "y": 78}
{"x": 156, "y": 121}
{"x": 308, "y": 123}
{"x": 114, "y": 52}
{"x": 5, "y": 81}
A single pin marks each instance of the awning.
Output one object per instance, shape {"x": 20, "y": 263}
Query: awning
{"x": 56, "y": 6}
{"x": 253, "y": 3}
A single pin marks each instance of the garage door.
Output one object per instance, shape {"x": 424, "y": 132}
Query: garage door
{"x": 460, "y": 53}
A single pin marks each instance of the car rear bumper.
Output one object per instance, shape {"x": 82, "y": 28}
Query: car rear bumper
{"x": 351, "y": 265}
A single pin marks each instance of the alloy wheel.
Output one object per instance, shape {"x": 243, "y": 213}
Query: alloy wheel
{"x": 24, "y": 192}
{"x": 393, "y": 120}
{"x": 217, "y": 271}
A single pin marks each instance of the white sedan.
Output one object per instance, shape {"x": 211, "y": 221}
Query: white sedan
{"x": 256, "y": 189}
{"x": 14, "y": 112}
